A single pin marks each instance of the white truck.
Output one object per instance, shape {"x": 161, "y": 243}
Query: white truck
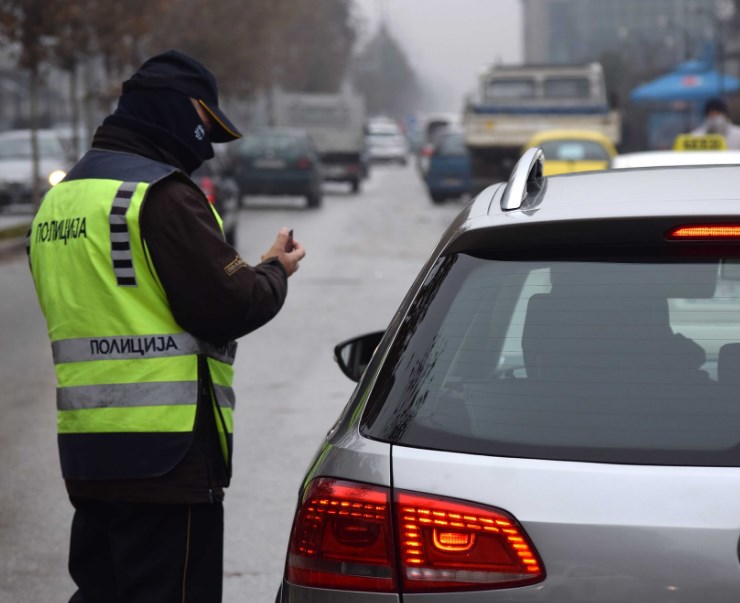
{"x": 335, "y": 123}
{"x": 513, "y": 103}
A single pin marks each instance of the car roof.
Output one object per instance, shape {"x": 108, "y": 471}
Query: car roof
{"x": 582, "y": 207}
{"x": 451, "y": 132}
{"x": 668, "y": 158}
{"x": 24, "y": 134}
{"x": 296, "y": 132}
{"x": 573, "y": 133}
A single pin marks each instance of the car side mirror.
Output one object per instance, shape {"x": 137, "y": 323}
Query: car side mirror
{"x": 354, "y": 355}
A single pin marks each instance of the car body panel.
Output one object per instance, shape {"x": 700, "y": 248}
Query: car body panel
{"x": 572, "y": 197}
{"x": 345, "y": 449}
{"x": 448, "y": 172}
{"x": 672, "y": 158}
{"x": 618, "y": 508}
{"x": 289, "y": 593}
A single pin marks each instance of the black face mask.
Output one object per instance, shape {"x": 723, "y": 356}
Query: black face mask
{"x": 171, "y": 121}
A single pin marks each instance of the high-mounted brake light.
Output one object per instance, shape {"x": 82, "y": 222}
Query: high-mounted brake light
{"x": 705, "y": 231}
{"x": 343, "y": 538}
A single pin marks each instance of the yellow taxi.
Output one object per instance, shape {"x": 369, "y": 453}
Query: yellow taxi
{"x": 569, "y": 151}
{"x": 700, "y": 142}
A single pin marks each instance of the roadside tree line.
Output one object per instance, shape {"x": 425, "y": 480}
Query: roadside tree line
{"x": 249, "y": 44}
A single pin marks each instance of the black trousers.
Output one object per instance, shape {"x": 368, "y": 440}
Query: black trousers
{"x": 146, "y": 553}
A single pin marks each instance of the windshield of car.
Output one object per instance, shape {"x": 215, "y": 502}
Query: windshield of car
{"x": 567, "y": 87}
{"x": 574, "y": 150}
{"x": 609, "y": 361}
{"x": 277, "y": 145}
{"x": 20, "y": 148}
{"x": 510, "y": 88}
{"x": 451, "y": 146}
{"x": 385, "y": 139}
{"x": 436, "y": 128}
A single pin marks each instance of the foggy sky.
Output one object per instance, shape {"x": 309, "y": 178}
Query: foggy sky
{"x": 449, "y": 41}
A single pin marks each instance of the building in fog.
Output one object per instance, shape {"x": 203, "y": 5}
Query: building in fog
{"x": 654, "y": 33}
{"x": 637, "y": 41}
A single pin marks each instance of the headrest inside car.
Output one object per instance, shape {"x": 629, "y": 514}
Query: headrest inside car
{"x": 665, "y": 280}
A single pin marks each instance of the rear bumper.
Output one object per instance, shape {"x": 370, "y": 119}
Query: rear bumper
{"x": 449, "y": 184}
{"x": 296, "y": 183}
{"x": 342, "y": 172}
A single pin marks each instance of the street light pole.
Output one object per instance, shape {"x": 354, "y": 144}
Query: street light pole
{"x": 724, "y": 10}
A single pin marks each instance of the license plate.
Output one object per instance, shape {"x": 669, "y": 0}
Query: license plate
{"x": 269, "y": 164}
{"x": 334, "y": 170}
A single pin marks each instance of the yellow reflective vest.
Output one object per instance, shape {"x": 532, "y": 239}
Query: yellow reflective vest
{"x": 128, "y": 376}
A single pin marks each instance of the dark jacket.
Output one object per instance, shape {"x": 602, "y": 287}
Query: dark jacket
{"x": 213, "y": 294}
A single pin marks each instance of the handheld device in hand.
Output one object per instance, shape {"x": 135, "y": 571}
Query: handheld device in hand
{"x": 289, "y": 244}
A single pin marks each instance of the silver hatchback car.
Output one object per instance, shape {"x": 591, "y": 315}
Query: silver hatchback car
{"x": 552, "y": 415}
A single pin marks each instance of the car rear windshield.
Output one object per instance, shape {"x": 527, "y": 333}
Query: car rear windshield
{"x": 574, "y": 150}
{"x": 608, "y": 361}
{"x": 451, "y": 146}
{"x": 276, "y": 145}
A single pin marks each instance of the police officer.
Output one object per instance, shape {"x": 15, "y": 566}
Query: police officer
{"x": 143, "y": 300}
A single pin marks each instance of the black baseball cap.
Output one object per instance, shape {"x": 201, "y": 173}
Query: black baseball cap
{"x": 174, "y": 70}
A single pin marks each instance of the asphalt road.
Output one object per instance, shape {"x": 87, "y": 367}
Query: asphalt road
{"x": 363, "y": 252}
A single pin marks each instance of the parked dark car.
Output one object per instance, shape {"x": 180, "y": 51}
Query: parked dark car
{"x": 448, "y": 174}
{"x": 552, "y": 415}
{"x": 222, "y": 191}
{"x": 277, "y": 161}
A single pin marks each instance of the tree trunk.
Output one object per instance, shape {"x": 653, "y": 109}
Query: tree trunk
{"x": 33, "y": 118}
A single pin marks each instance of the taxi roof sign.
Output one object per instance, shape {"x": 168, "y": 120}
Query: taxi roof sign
{"x": 700, "y": 142}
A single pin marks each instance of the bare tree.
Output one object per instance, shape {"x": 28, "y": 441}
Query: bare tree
{"x": 25, "y": 25}
{"x": 383, "y": 74}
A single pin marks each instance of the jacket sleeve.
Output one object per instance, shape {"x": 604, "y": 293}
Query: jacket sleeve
{"x": 213, "y": 293}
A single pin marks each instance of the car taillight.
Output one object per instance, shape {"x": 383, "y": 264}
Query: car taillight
{"x": 343, "y": 538}
{"x": 209, "y": 188}
{"x": 448, "y": 545}
{"x": 705, "y": 231}
{"x": 427, "y": 150}
{"x": 304, "y": 163}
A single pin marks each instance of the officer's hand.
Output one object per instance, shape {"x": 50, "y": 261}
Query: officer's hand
{"x": 289, "y": 259}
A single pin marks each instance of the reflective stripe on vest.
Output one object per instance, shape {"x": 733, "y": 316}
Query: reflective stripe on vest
{"x": 120, "y": 238}
{"x": 126, "y": 347}
{"x": 123, "y": 395}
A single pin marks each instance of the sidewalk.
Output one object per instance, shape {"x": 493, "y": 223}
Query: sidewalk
{"x": 13, "y": 229}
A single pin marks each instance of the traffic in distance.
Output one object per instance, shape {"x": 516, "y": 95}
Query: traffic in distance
{"x": 318, "y": 138}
